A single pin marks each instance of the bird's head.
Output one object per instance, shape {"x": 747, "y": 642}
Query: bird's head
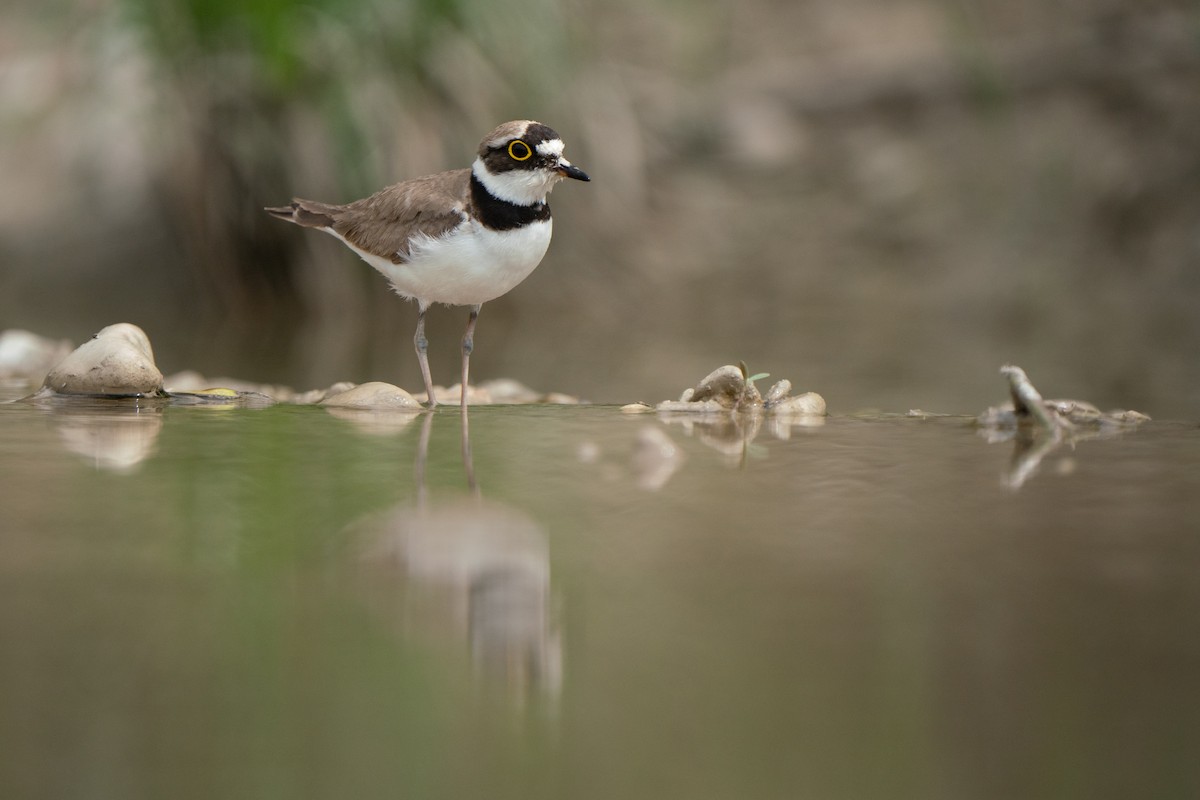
{"x": 521, "y": 161}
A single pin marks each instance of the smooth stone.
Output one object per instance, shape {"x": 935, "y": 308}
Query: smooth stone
{"x": 636, "y": 408}
{"x": 315, "y": 396}
{"x": 345, "y": 386}
{"x": 188, "y": 380}
{"x": 373, "y": 395}
{"x": 507, "y": 390}
{"x": 452, "y": 395}
{"x": 778, "y": 391}
{"x": 311, "y": 397}
{"x": 561, "y": 399}
{"x": 808, "y": 404}
{"x": 29, "y": 357}
{"x": 117, "y": 361}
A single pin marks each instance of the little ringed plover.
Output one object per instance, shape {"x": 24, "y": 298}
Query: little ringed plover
{"x": 461, "y": 237}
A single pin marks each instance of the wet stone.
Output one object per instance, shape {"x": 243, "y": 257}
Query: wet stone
{"x": 560, "y": 399}
{"x": 116, "y": 361}
{"x": 778, "y": 391}
{"x": 188, "y": 380}
{"x": 314, "y": 396}
{"x": 807, "y": 404}
{"x": 452, "y": 395}
{"x": 373, "y": 395}
{"x": 508, "y": 391}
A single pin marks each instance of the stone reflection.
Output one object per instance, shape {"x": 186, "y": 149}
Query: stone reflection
{"x": 116, "y": 439}
{"x": 118, "y": 433}
{"x": 470, "y": 568}
{"x": 375, "y": 423}
{"x": 733, "y": 433}
{"x": 655, "y": 458}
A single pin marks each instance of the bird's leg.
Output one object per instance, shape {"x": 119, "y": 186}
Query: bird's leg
{"x": 419, "y": 463}
{"x": 468, "y": 344}
{"x": 422, "y": 347}
{"x": 468, "y": 462}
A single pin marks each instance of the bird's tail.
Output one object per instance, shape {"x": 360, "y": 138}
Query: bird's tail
{"x": 306, "y": 213}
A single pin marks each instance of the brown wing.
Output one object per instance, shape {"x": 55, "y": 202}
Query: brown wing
{"x": 386, "y": 222}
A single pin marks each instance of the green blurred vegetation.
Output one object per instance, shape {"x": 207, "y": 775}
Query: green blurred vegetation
{"x": 274, "y": 59}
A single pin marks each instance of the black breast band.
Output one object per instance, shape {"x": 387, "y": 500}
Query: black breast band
{"x": 501, "y": 215}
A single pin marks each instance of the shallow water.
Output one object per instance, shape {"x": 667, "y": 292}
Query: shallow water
{"x": 284, "y": 602}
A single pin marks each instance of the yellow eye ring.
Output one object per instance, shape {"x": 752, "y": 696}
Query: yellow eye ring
{"x": 519, "y": 151}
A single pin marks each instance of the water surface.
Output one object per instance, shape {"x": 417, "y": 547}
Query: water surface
{"x": 285, "y": 602}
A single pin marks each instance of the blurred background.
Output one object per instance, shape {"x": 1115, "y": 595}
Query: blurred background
{"x": 881, "y": 200}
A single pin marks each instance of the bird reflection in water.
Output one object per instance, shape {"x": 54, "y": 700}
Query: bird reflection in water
{"x": 471, "y": 568}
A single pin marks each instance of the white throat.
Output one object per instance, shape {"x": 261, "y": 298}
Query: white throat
{"x": 524, "y": 187}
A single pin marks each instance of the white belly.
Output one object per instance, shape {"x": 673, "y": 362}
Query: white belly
{"x": 469, "y": 266}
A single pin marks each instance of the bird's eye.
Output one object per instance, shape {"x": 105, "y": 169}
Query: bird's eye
{"x": 519, "y": 150}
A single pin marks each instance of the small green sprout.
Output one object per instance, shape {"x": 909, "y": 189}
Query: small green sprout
{"x": 748, "y": 380}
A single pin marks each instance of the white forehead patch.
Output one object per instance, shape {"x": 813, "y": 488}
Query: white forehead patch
{"x": 507, "y": 132}
{"x": 550, "y": 147}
